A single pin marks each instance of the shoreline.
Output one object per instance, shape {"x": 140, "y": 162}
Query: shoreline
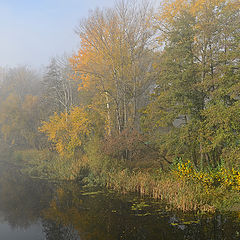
{"x": 180, "y": 193}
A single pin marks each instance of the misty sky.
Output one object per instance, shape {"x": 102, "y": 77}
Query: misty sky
{"x": 32, "y": 31}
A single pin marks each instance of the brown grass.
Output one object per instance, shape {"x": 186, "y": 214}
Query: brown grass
{"x": 177, "y": 193}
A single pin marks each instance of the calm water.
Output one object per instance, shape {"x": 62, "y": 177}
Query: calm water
{"x": 36, "y": 210}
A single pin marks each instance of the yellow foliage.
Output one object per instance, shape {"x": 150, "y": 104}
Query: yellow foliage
{"x": 171, "y": 9}
{"x": 67, "y": 130}
{"x": 203, "y": 11}
{"x": 229, "y": 179}
{"x": 83, "y": 65}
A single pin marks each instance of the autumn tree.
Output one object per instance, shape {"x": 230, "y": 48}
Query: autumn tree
{"x": 68, "y": 130}
{"x": 115, "y": 61}
{"x": 20, "y": 81}
{"x": 20, "y": 112}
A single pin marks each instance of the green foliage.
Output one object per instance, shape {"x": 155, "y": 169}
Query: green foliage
{"x": 47, "y": 165}
{"x": 98, "y": 162}
{"x": 194, "y": 110}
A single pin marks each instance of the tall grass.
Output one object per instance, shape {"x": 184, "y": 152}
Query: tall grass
{"x": 182, "y": 187}
{"x": 178, "y": 194}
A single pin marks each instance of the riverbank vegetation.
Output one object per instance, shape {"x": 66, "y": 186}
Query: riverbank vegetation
{"x": 149, "y": 103}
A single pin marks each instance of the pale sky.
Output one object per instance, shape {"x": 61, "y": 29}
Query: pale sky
{"x": 32, "y": 31}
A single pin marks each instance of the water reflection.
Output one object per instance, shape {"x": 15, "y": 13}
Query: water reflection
{"x": 58, "y": 231}
{"x": 22, "y": 199}
{"x": 64, "y": 211}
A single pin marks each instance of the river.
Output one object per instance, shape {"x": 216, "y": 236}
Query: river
{"x": 33, "y": 209}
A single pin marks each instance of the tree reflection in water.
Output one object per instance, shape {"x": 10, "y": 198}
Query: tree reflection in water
{"x": 67, "y": 212}
{"x": 55, "y": 231}
{"x": 103, "y": 216}
{"x": 22, "y": 199}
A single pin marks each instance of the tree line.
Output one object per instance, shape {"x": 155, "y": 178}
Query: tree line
{"x": 145, "y": 83}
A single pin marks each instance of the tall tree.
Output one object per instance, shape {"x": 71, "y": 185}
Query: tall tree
{"x": 59, "y": 90}
{"x": 198, "y": 70}
{"x": 20, "y": 112}
{"x": 115, "y": 60}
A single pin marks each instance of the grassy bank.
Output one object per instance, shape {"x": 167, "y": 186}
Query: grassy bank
{"x": 179, "y": 193}
{"x": 181, "y": 187}
{"x": 45, "y": 164}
